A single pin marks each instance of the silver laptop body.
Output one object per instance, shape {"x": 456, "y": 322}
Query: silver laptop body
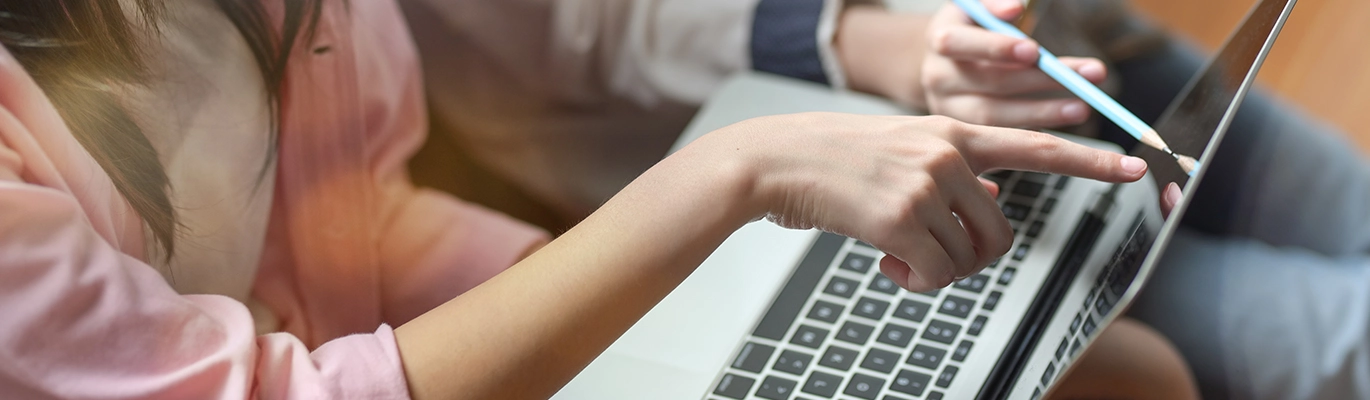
{"x": 785, "y": 314}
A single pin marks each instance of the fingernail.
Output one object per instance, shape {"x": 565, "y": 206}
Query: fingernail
{"x": 1172, "y": 194}
{"x": 1133, "y": 165}
{"x": 1074, "y": 112}
{"x": 1092, "y": 70}
{"x": 1001, "y": 6}
{"x": 1025, "y": 51}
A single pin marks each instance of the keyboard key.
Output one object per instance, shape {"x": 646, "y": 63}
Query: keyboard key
{"x": 776, "y": 388}
{"x": 753, "y": 357}
{"x": 734, "y": 386}
{"x": 944, "y": 378}
{"x": 1048, "y": 205}
{"x": 880, "y": 360}
{"x": 941, "y": 332}
{"x": 871, "y": 308}
{"x": 975, "y": 283}
{"x": 841, "y": 287}
{"x": 977, "y": 325}
{"x": 1000, "y": 177}
{"x": 962, "y": 350}
{"x": 1075, "y": 347}
{"x": 809, "y": 336}
{"x": 825, "y": 311}
{"x": 864, "y": 386}
{"x": 1075, "y": 323}
{"x": 896, "y": 335}
{"x": 1048, "y": 374}
{"x": 1103, "y": 305}
{"x": 1061, "y": 350}
{"x": 931, "y": 293}
{"x": 912, "y": 310}
{"x": 1036, "y": 394}
{"x": 993, "y": 300}
{"x": 926, "y": 356}
{"x": 957, "y": 306}
{"x": 1035, "y": 229}
{"x": 864, "y": 244}
{"x": 857, "y": 263}
{"x": 793, "y": 362}
{"x": 1022, "y": 252}
{"x": 838, "y": 358}
{"x": 1015, "y": 211}
{"x": 947, "y": 375}
{"x": 910, "y": 383}
{"x": 822, "y": 384}
{"x": 1027, "y": 188}
{"x": 1035, "y": 177}
{"x": 1088, "y": 328}
{"x": 883, "y": 284}
{"x": 1006, "y": 277}
{"x": 1061, "y": 182}
{"x": 855, "y": 332}
{"x": 887, "y": 397}
{"x": 934, "y": 395}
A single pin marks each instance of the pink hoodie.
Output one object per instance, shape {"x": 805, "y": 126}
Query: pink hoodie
{"x": 351, "y": 249}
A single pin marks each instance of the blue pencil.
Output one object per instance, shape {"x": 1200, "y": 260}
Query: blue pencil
{"x": 1079, "y": 85}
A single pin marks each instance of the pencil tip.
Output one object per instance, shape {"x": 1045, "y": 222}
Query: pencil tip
{"x": 1187, "y": 163}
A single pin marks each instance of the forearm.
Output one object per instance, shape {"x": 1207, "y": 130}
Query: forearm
{"x": 527, "y": 331}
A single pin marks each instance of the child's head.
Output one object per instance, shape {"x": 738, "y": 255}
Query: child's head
{"x": 79, "y": 50}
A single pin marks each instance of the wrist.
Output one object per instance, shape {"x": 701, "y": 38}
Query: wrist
{"x": 882, "y": 53}
{"x": 718, "y": 171}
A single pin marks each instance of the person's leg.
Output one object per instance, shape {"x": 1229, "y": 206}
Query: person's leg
{"x": 1263, "y": 322}
{"x": 1155, "y": 370}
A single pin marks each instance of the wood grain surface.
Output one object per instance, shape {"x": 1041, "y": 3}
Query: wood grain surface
{"x": 1321, "y": 61}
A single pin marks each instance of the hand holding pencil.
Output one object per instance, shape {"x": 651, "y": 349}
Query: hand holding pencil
{"x": 1063, "y": 71}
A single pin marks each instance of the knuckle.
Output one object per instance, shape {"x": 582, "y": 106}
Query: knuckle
{"x": 942, "y": 123}
{"x": 1001, "y": 50}
{"x": 943, "y": 157}
{"x": 942, "y": 40}
{"x": 938, "y": 80}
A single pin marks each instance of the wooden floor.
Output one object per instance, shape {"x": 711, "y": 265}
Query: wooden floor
{"x": 1320, "y": 62}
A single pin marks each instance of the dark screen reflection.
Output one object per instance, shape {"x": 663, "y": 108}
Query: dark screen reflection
{"x": 1206, "y": 106}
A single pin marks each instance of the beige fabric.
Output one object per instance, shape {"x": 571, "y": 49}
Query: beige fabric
{"x": 571, "y": 99}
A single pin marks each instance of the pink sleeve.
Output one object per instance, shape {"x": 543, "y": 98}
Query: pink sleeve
{"x": 82, "y": 320}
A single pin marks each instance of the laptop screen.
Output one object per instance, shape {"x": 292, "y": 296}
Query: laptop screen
{"x": 1194, "y": 124}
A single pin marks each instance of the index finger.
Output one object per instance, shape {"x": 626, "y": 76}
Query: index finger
{"x": 987, "y": 148}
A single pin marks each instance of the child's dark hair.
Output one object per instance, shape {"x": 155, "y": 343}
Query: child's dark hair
{"x": 77, "y": 50}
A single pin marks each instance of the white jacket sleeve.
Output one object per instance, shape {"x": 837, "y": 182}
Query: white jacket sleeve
{"x": 645, "y": 50}
{"x": 571, "y": 99}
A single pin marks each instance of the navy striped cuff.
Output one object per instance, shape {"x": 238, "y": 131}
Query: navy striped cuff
{"x": 785, "y": 39}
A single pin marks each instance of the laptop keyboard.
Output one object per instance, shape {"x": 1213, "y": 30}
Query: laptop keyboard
{"x": 845, "y": 329}
{"x": 1109, "y": 285}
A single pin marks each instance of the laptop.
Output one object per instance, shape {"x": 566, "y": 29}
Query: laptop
{"x": 788, "y": 314}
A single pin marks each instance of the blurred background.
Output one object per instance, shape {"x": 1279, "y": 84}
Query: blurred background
{"x": 1321, "y": 60}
